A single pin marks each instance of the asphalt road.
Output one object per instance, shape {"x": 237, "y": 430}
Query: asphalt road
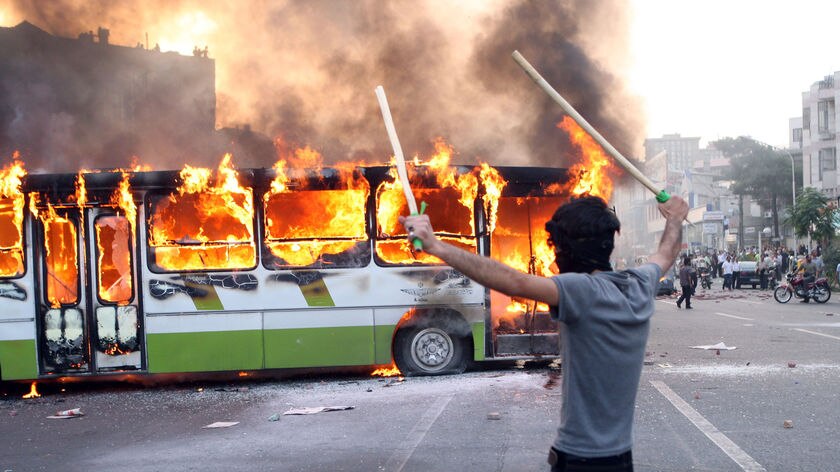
{"x": 696, "y": 409}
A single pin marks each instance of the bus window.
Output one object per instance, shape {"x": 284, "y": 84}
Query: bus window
{"x": 113, "y": 264}
{"x": 11, "y": 237}
{"x": 452, "y": 220}
{"x": 322, "y": 228}
{"x": 201, "y": 231}
{"x": 62, "y": 259}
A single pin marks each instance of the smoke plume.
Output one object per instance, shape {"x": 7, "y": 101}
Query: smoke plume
{"x": 305, "y": 70}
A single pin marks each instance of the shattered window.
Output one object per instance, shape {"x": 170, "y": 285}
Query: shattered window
{"x": 11, "y": 237}
{"x": 322, "y": 228}
{"x": 201, "y": 231}
{"x": 452, "y": 220}
{"x": 62, "y": 259}
{"x": 113, "y": 263}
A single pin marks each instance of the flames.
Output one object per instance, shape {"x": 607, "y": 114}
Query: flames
{"x": 591, "y": 174}
{"x": 388, "y": 371}
{"x": 316, "y": 219}
{"x": 33, "y": 392}
{"x": 204, "y": 224}
{"x": 12, "y": 202}
{"x": 449, "y": 193}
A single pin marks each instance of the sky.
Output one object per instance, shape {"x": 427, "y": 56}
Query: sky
{"x": 719, "y": 68}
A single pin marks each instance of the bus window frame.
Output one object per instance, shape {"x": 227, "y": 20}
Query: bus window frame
{"x": 64, "y": 212}
{"x": 23, "y": 234}
{"x": 476, "y": 236}
{"x": 267, "y": 257}
{"x": 150, "y": 250}
{"x": 96, "y": 268}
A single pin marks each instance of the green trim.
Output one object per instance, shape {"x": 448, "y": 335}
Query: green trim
{"x": 317, "y": 294}
{"x": 315, "y": 347}
{"x": 478, "y": 341}
{"x": 383, "y": 339}
{"x": 203, "y": 352}
{"x": 18, "y": 360}
{"x": 210, "y": 301}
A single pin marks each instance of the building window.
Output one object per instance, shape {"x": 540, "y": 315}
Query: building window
{"x": 797, "y": 135}
{"x": 823, "y": 108}
{"x": 827, "y": 161}
{"x": 806, "y": 119}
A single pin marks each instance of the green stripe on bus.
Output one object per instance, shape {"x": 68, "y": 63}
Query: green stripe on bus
{"x": 383, "y": 336}
{"x": 204, "y": 352}
{"x": 312, "y": 347}
{"x": 18, "y": 360}
{"x": 317, "y": 294}
{"x": 478, "y": 341}
{"x": 209, "y": 301}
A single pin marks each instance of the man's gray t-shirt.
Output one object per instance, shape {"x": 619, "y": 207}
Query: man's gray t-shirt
{"x": 604, "y": 328}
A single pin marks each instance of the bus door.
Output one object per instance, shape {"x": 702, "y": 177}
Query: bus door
{"x": 88, "y": 316}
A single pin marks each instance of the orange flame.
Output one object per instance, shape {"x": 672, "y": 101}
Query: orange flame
{"x": 33, "y": 392}
{"x": 12, "y": 204}
{"x": 203, "y": 226}
{"x": 389, "y": 371}
{"x": 62, "y": 254}
{"x": 303, "y": 225}
{"x": 591, "y": 176}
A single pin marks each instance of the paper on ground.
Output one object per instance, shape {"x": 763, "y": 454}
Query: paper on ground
{"x": 722, "y": 346}
{"x": 316, "y": 409}
{"x": 63, "y": 415}
{"x": 221, "y": 424}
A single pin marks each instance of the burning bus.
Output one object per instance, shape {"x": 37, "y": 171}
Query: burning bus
{"x": 228, "y": 269}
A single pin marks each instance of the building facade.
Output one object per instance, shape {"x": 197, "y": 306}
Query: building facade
{"x": 815, "y": 133}
{"x": 66, "y": 102}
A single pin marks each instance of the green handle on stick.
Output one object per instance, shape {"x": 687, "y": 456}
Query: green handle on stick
{"x": 662, "y": 196}
{"x": 418, "y": 245}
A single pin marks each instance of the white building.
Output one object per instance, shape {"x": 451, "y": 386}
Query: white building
{"x": 818, "y": 135}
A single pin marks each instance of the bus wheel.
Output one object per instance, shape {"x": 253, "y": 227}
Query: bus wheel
{"x": 430, "y": 350}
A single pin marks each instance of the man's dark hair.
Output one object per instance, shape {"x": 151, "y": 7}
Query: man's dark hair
{"x": 687, "y": 260}
{"x": 582, "y": 233}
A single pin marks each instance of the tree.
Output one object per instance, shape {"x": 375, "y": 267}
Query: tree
{"x": 813, "y": 216}
{"x": 758, "y": 170}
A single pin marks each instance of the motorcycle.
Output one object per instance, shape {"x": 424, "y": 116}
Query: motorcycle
{"x": 705, "y": 278}
{"x": 772, "y": 283}
{"x": 818, "y": 290}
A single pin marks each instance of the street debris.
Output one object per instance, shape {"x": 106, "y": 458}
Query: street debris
{"x": 648, "y": 363}
{"x": 316, "y": 409}
{"x": 788, "y": 424}
{"x": 221, "y": 424}
{"x": 791, "y": 364}
{"x": 664, "y": 365}
{"x": 721, "y": 346}
{"x": 274, "y": 417}
{"x": 63, "y": 415}
{"x": 696, "y": 395}
{"x": 495, "y": 415}
{"x": 552, "y": 380}
{"x": 394, "y": 381}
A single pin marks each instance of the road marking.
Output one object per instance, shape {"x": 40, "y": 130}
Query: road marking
{"x": 668, "y": 302}
{"x": 404, "y": 451}
{"x": 731, "y": 449}
{"x": 816, "y": 333}
{"x": 733, "y": 316}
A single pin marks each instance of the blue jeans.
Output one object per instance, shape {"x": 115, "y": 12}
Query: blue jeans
{"x": 727, "y": 281}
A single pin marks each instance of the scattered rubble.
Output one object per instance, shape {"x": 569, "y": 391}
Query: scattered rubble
{"x": 788, "y": 424}
{"x": 791, "y": 364}
{"x": 61, "y": 415}
{"x": 721, "y": 346}
{"x": 494, "y": 415}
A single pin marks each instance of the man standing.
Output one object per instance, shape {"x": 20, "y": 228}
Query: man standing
{"x": 604, "y": 321}
{"x": 687, "y": 282}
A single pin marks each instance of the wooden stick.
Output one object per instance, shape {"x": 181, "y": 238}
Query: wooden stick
{"x": 661, "y": 195}
{"x": 398, "y": 154}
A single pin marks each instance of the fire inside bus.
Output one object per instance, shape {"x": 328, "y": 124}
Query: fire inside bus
{"x": 206, "y": 270}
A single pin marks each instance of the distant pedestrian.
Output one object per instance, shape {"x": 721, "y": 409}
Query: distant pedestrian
{"x": 687, "y": 283}
{"x": 736, "y": 273}
{"x": 726, "y": 268}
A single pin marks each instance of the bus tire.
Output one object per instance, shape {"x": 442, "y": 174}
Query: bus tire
{"x": 429, "y": 348}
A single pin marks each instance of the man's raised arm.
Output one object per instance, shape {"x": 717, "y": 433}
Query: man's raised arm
{"x": 484, "y": 270}
{"x": 674, "y": 210}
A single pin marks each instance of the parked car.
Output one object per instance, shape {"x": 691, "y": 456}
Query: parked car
{"x": 749, "y": 274}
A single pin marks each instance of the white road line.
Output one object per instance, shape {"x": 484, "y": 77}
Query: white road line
{"x": 668, "y": 302}
{"x": 734, "y": 316}
{"x": 731, "y": 449}
{"x": 818, "y": 334}
{"x": 404, "y": 451}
